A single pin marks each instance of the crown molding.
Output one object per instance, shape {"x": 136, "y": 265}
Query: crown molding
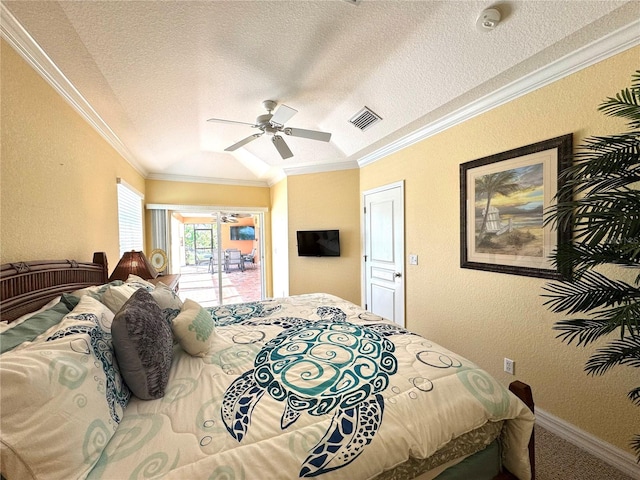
{"x": 23, "y": 43}
{"x": 601, "y": 49}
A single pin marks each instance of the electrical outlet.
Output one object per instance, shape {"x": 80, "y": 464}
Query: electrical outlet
{"x": 413, "y": 259}
{"x": 509, "y": 366}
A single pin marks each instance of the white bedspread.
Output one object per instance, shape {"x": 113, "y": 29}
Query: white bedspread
{"x": 292, "y": 388}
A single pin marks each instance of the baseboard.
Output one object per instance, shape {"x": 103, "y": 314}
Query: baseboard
{"x": 623, "y": 461}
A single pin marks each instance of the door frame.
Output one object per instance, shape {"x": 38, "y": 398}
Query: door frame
{"x": 363, "y": 239}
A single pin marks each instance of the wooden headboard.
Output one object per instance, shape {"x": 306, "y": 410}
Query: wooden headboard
{"x": 27, "y": 286}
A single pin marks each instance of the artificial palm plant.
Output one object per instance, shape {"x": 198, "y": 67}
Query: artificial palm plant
{"x": 604, "y": 214}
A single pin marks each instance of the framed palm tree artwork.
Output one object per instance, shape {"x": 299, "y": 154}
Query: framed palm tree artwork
{"x": 503, "y": 200}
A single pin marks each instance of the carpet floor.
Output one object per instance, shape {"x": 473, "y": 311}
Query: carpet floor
{"x": 557, "y": 459}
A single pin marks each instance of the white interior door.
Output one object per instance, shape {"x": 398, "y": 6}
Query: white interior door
{"x": 384, "y": 251}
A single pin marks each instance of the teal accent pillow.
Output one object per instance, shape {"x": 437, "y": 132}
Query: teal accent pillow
{"x": 28, "y": 330}
{"x": 194, "y": 329}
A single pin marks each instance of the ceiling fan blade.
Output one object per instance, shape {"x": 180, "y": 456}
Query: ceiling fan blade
{"x": 242, "y": 142}
{"x": 222, "y": 120}
{"x": 282, "y": 115}
{"x": 312, "y": 134}
{"x": 282, "y": 147}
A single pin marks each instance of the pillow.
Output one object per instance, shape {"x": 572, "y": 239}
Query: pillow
{"x": 33, "y": 326}
{"x": 69, "y": 300}
{"x": 143, "y": 345}
{"x": 169, "y": 302}
{"x": 115, "y": 296}
{"x": 95, "y": 291}
{"x": 166, "y": 297}
{"x": 4, "y": 325}
{"x": 136, "y": 281}
{"x": 62, "y": 397}
{"x": 194, "y": 329}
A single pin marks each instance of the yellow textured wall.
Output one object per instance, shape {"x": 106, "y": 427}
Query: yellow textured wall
{"x": 188, "y": 193}
{"x": 488, "y": 316}
{"x": 57, "y": 175}
{"x": 326, "y": 201}
{"x": 208, "y": 194}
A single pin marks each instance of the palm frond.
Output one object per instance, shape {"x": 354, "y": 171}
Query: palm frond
{"x": 625, "y": 316}
{"x": 626, "y": 104}
{"x": 593, "y": 290}
{"x": 609, "y": 217}
{"x": 618, "y": 352}
{"x": 584, "y": 331}
{"x": 615, "y": 155}
{"x": 578, "y": 258}
{"x": 634, "y": 396}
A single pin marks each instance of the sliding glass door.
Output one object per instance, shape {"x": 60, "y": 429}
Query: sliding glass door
{"x": 222, "y": 256}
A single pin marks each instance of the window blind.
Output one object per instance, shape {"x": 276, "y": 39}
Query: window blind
{"x": 129, "y": 218}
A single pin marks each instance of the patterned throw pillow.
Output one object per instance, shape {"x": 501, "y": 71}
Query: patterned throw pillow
{"x": 143, "y": 345}
{"x": 194, "y": 329}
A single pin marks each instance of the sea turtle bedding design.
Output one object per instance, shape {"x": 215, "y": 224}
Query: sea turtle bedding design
{"x": 303, "y": 386}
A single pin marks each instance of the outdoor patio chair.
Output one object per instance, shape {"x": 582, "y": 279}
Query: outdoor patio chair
{"x": 203, "y": 260}
{"x": 250, "y": 258}
{"x": 233, "y": 257}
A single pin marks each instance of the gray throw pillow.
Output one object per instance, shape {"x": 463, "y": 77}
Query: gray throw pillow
{"x": 143, "y": 345}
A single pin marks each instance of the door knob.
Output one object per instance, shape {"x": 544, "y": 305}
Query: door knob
{"x": 397, "y": 275}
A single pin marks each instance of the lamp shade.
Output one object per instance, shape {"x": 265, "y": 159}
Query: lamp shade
{"x": 133, "y": 263}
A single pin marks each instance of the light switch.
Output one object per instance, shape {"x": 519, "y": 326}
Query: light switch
{"x": 413, "y": 259}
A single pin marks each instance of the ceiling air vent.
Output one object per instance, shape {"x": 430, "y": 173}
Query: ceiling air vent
{"x": 364, "y": 119}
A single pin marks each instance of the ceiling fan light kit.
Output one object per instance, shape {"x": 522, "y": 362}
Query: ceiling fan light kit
{"x": 273, "y": 124}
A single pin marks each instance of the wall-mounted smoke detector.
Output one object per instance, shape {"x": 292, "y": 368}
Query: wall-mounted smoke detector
{"x": 365, "y": 118}
{"x": 488, "y": 19}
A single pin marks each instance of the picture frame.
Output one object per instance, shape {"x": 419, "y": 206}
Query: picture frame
{"x": 503, "y": 199}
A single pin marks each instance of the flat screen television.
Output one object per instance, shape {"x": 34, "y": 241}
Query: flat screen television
{"x": 243, "y": 232}
{"x": 318, "y": 243}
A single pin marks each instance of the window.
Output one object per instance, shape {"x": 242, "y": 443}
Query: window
{"x": 129, "y": 217}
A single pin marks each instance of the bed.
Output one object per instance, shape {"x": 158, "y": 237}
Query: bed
{"x": 93, "y": 386}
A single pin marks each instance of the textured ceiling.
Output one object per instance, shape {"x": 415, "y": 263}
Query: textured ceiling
{"x": 155, "y": 71}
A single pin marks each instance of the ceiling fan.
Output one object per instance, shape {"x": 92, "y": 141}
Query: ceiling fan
{"x": 273, "y": 124}
{"x": 232, "y": 217}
